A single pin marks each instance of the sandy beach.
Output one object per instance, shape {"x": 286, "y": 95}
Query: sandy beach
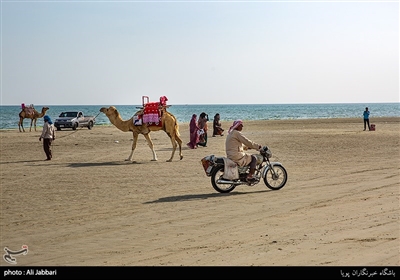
{"x": 90, "y": 207}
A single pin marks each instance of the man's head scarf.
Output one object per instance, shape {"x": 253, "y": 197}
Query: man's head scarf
{"x": 47, "y": 119}
{"x": 235, "y": 125}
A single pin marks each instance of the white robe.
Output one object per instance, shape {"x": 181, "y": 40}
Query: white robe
{"x": 235, "y": 145}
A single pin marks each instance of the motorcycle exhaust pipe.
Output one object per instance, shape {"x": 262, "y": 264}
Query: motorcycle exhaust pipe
{"x": 219, "y": 181}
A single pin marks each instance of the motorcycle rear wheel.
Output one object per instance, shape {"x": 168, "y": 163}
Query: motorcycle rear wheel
{"x": 216, "y": 174}
{"x": 277, "y": 180}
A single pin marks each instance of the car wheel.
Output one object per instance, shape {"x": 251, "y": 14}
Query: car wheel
{"x": 74, "y": 127}
{"x": 90, "y": 125}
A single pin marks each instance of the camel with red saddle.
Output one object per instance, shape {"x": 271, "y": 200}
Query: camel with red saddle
{"x": 144, "y": 121}
{"x": 30, "y": 112}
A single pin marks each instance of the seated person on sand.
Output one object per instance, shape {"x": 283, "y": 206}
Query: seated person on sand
{"x": 217, "y": 128}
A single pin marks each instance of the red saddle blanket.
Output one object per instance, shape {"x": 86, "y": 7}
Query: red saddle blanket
{"x": 152, "y": 114}
{"x": 29, "y": 111}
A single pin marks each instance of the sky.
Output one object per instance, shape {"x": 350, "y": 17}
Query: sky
{"x": 199, "y": 52}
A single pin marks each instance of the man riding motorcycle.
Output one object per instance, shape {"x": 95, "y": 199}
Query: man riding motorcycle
{"x": 235, "y": 145}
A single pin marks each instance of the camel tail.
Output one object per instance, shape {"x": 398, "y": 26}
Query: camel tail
{"x": 176, "y": 125}
{"x": 177, "y": 129}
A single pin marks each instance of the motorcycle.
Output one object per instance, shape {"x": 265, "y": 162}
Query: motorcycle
{"x": 227, "y": 175}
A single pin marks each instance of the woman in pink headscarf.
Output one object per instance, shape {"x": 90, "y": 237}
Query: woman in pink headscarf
{"x": 194, "y": 136}
{"x": 235, "y": 145}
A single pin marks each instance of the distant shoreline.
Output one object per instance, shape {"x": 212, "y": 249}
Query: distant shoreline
{"x": 227, "y": 123}
{"x": 211, "y": 104}
{"x": 9, "y": 114}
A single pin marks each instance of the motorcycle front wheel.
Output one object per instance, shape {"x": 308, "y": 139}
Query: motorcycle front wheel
{"x": 216, "y": 175}
{"x": 276, "y": 177}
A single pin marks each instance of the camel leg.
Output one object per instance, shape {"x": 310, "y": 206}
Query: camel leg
{"x": 34, "y": 123}
{"x": 179, "y": 140}
{"x": 30, "y": 129}
{"x": 150, "y": 143}
{"x": 21, "y": 125}
{"x": 173, "y": 142}
{"x": 135, "y": 138}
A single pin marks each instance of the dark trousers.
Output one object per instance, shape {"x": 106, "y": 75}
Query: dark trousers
{"x": 366, "y": 122}
{"x": 203, "y": 140}
{"x": 47, "y": 147}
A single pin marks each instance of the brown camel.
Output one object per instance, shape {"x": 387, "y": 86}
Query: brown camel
{"x": 169, "y": 125}
{"x": 30, "y": 113}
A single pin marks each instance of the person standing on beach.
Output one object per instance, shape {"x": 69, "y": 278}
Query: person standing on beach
{"x": 202, "y": 124}
{"x": 48, "y": 135}
{"x": 217, "y": 128}
{"x": 366, "y": 119}
{"x": 193, "y": 130}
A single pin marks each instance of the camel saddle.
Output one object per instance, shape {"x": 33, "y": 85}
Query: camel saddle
{"x": 151, "y": 112}
{"x": 29, "y": 111}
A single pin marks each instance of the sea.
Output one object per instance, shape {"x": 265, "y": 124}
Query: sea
{"x": 228, "y": 112}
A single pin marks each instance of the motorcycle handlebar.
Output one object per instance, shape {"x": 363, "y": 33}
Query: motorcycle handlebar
{"x": 266, "y": 151}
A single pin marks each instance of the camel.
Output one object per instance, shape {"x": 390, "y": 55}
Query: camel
{"x": 30, "y": 113}
{"x": 169, "y": 125}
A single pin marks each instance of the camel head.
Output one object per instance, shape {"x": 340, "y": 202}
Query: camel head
{"x": 115, "y": 118}
{"x": 42, "y": 113}
{"x": 111, "y": 112}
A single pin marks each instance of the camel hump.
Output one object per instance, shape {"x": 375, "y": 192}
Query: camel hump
{"x": 140, "y": 112}
{"x": 29, "y": 111}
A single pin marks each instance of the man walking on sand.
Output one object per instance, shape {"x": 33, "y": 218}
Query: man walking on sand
{"x": 366, "y": 119}
{"x": 48, "y": 135}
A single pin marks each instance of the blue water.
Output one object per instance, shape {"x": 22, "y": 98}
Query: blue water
{"x": 9, "y": 114}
